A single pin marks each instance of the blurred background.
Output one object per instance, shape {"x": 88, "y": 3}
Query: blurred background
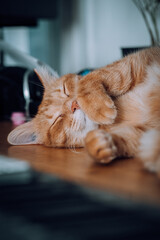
{"x": 70, "y": 36}
{"x": 75, "y": 34}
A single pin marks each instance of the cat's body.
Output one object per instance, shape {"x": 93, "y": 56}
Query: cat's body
{"x": 114, "y": 111}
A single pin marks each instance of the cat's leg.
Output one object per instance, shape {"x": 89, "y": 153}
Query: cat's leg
{"x": 97, "y": 105}
{"x": 119, "y": 141}
{"x": 97, "y": 90}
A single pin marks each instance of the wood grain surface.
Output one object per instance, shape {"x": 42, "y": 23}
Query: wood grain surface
{"x": 123, "y": 177}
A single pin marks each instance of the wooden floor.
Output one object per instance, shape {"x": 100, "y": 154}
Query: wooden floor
{"x": 125, "y": 178}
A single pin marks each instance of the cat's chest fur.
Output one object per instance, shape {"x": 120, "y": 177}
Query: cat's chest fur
{"x": 132, "y": 107}
{"x": 140, "y": 105}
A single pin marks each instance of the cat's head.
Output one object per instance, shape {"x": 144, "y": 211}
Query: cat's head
{"x": 59, "y": 121}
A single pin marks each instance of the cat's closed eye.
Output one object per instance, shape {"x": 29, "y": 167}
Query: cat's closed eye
{"x": 57, "y": 119}
{"x": 65, "y": 90}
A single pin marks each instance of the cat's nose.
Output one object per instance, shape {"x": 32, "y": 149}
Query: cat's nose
{"x": 74, "y": 106}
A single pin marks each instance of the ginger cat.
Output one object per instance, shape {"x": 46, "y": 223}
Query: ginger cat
{"x": 113, "y": 111}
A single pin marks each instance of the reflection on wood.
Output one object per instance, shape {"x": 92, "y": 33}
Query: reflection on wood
{"x": 124, "y": 177}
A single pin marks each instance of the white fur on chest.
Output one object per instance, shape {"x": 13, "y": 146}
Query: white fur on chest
{"x": 134, "y": 105}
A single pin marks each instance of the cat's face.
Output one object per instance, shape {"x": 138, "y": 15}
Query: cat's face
{"x": 59, "y": 122}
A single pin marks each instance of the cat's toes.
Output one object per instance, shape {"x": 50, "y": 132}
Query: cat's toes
{"x": 100, "y": 109}
{"x": 100, "y": 146}
{"x": 95, "y": 102}
{"x": 106, "y": 115}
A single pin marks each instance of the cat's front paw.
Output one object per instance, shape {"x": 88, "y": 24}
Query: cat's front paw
{"x": 100, "y": 146}
{"x": 96, "y": 104}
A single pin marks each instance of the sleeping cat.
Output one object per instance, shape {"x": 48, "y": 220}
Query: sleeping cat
{"x": 113, "y": 111}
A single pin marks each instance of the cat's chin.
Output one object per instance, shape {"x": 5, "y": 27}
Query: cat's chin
{"x": 79, "y": 120}
{"x": 82, "y": 122}
{"x": 81, "y": 125}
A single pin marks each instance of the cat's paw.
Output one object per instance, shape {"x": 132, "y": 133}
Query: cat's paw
{"x": 100, "y": 146}
{"x": 96, "y": 104}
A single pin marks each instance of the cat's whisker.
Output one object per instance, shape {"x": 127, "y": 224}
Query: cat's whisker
{"x": 66, "y": 131}
{"x": 37, "y": 84}
{"x": 75, "y": 126}
{"x": 72, "y": 125}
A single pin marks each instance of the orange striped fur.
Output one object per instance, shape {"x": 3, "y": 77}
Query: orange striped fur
{"x": 113, "y": 111}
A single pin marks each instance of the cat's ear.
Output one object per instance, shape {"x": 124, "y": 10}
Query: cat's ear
{"x": 45, "y": 75}
{"x": 24, "y": 134}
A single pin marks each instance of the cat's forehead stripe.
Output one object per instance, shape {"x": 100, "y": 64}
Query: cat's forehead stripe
{"x": 56, "y": 90}
{"x": 48, "y": 116}
{"x": 52, "y": 112}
